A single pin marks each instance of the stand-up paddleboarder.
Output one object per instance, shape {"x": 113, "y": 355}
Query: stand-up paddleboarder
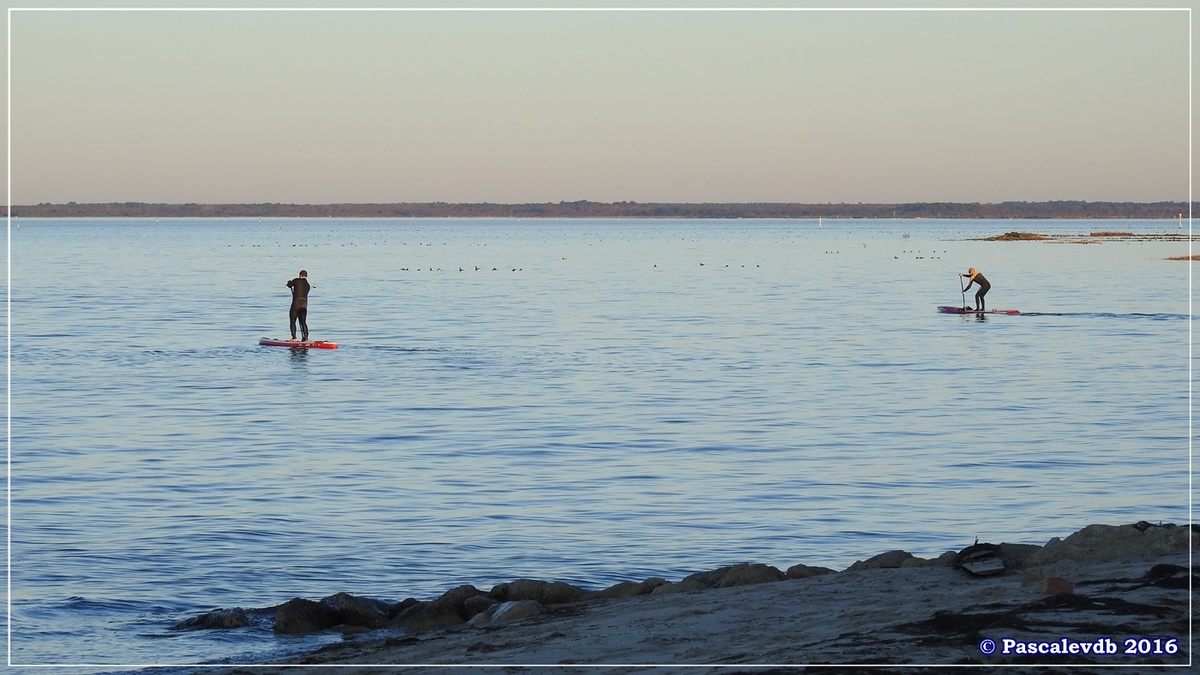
{"x": 974, "y": 277}
{"x": 299, "y": 310}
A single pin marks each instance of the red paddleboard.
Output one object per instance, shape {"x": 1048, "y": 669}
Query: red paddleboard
{"x": 944, "y": 309}
{"x": 297, "y": 344}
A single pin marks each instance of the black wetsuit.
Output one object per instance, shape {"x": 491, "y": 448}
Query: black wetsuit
{"x": 984, "y": 287}
{"x": 299, "y": 310}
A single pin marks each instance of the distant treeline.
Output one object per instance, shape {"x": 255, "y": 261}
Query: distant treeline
{"x": 589, "y": 209}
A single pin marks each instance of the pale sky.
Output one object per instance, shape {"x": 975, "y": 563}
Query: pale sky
{"x": 649, "y": 106}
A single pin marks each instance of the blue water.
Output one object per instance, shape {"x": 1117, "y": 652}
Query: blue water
{"x": 598, "y": 401}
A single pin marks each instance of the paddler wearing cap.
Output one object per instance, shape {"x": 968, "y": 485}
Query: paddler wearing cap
{"x": 974, "y": 277}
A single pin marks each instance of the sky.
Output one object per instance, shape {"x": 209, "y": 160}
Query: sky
{"x": 698, "y": 104}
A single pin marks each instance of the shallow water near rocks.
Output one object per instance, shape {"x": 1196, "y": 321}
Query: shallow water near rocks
{"x": 580, "y": 401}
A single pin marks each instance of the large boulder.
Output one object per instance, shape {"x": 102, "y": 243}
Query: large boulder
{"x": 216, "y": 619}
{"x": 425, "y": 616}
{"x": 476, "y": 604}
{"x": 1065, "y": 557}
{"x": 545, "y": 592}
{"x": 505, "y": 612}
{"x": 1014, "y": 555}
{"x": 889, "y": 560}
{"x": 806, "y": 571}
{"x": 750, "y": 573}
{"x": 1110, "y": 542}
{"x": 628, "y": 589}
{"x": 729, "y": 576}
{"x": 305, "y": 616}
{"x": 448, "y": 610}
{"x": 359, "y": 611}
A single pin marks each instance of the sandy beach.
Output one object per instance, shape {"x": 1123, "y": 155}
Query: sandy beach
{"x": 1103, "y": 596}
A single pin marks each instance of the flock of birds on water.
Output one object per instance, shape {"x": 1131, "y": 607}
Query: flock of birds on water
{"x": 917, "y": 255}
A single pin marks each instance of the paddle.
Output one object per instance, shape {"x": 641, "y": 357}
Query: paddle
{"x": 963, "y": 289}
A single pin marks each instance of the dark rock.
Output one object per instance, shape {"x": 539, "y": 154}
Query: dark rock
{"x": 505, "y": 612}
{"x": 448, "y": 610}
{"x": 1017, "y": 236}
{"x": 1109, "y": 542}
{"x": 396, "y": 609}
{"x": 545, "y": 592}
{"x": 747, "y": 573}
{"x": 458, "y": 596}
{"x": 806, "y": 571}
{"x": 358, "y": 611}
{"x": 729, "y": 576}
{"x": 476, "y": 604}
{"x": 685, "y": 586}
{"x": 946, "y": 559}
{"x": 1170, "y": 576}
{"x": 425, "y": 616}
{"x": 891, "y": 559}
{"x": 305, "y": 616}
{"x": 628, "y": 589}
{"x": 709, "y": 579}
{"x": 216, "y": 619}
{"x": 1014, "y": 555}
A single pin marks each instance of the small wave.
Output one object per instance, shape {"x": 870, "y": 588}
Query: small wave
{"x": 397, "y": 348}
{"x": 1111, "y": 315}
{"x": 103, "y": 605}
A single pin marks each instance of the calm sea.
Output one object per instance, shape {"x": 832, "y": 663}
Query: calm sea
{"x": 584, "y": 401}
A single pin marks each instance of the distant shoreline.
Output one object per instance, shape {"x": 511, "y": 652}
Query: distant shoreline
{"x": 1052, "y": 210}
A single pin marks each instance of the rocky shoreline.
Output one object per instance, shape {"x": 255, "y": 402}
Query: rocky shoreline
{"x": 1071, "y": 601}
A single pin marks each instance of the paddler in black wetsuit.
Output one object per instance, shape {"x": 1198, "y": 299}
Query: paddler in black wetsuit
{"x": 974, "y": 277}
{"x": 299, "y": 311}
